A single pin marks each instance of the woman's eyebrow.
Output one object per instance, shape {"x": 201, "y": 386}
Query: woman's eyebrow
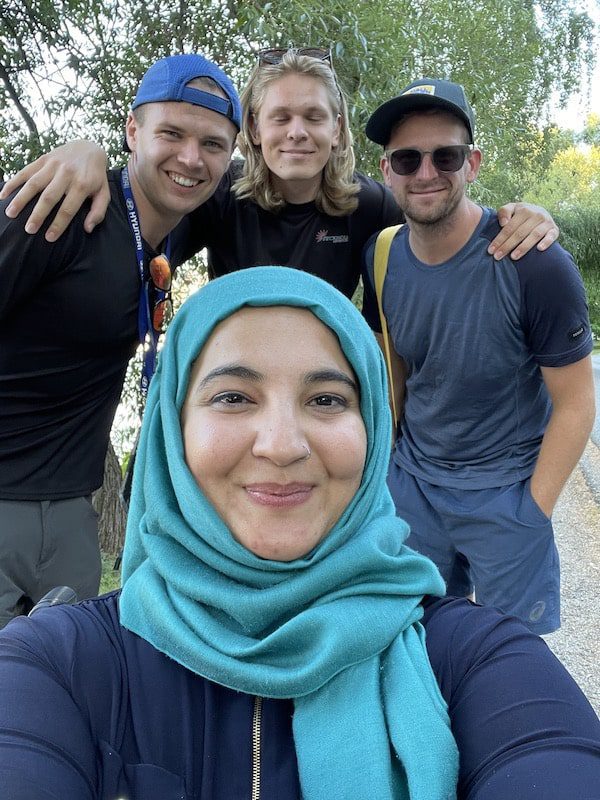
{"x": 248, "y": 374}
{"x": 232, "y": 371}
{"x": 330, "y": 375}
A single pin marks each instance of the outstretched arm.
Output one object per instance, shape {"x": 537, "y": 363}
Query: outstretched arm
{"x": 71, "y": 173}
{"x": 523, "y": 226}
{"x": 46, "y": 747}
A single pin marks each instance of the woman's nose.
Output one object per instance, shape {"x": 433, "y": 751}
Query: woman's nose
{"x": 281, "y": 439}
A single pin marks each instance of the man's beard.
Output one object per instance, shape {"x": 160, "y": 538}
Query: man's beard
{"x": 438, "y": 214}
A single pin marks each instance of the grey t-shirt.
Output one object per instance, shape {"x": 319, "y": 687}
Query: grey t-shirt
{"x": 474, "y": 333}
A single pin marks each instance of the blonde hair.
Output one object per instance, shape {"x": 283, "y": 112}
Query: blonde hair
{"x": 337, "y": 193}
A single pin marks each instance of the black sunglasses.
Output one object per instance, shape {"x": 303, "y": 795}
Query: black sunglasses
{"x": 274, "y": 55}
{"x": 405, "y": 161}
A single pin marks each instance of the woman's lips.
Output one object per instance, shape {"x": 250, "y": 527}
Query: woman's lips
{"x": 278, "y": 495}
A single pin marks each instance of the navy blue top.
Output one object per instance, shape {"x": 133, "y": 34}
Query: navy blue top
{"x": 474, "y": 333}
{"x": 92, "y": 711}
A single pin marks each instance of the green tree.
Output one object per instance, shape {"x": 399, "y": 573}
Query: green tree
{"x": 570, "y": 189}
{"x": 70, "y": 67}
{"x": 572, "y": 179}
{"x": 591, "y": 132}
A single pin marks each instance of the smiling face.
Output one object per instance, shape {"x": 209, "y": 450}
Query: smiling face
{"x": 272, "y": 429}
{"x": 296, "y": 128}
{"x": 180, "y": 152}
{"x": 430, "y": 196}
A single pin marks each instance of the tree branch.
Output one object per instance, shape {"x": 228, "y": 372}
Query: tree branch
{"x": 27, "y": 118}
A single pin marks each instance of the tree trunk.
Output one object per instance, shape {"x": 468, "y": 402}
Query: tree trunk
{"x": 107, "y": 503}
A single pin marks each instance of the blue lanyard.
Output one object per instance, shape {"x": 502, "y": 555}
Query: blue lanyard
{"x": 147, "y": 335}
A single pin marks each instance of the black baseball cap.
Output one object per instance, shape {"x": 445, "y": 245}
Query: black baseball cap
{"x": 420, "y": 95}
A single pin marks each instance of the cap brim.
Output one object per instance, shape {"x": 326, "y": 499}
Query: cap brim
{"x": 380, "y": 124}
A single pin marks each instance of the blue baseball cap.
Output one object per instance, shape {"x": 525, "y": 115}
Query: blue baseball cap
{"x": 419, "y": 96}
{"x": 167, "y": 80}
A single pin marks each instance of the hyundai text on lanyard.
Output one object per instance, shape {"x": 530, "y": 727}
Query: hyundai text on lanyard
{"x": 148, "y": 335}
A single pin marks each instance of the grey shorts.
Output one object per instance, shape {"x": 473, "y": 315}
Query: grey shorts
{"x": 44, "y": 544}
{"x": 496, "y": 540}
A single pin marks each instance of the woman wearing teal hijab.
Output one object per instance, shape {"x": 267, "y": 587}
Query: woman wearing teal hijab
{"x": 334, "y": 626}
{"x": 269, "y": 640}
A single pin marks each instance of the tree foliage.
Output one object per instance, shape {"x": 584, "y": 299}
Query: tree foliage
{"x": 569, "y": 187}
{"x": 572, "y": 179}
{"x": 70, "y": 68}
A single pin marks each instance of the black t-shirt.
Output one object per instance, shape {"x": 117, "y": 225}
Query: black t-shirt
{"x": 68, "y": 316}
{"x": 239, "y": 234}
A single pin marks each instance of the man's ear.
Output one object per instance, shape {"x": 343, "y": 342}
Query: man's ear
{"x": 384, "y": 166}
{"x": 474, "y": 161}
{"x": 254, "y": 134}
{"x": 131, "y": 130}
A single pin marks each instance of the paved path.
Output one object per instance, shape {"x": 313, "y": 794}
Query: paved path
{"x": 577, "y": 526}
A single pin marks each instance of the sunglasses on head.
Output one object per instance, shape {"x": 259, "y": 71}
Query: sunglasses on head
{"x": 274, "y": 55}
{"x": 160, "y": 277}
{"x": 405, "y": 161}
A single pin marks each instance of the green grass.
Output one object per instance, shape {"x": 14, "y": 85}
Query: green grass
{"x": 110, "y": 579}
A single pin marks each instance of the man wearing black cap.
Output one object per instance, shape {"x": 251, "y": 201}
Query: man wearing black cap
{"x": 491, "y": 361}
{"x": 72, "y": 315}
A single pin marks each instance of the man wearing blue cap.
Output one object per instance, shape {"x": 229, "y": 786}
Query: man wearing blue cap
{"x": 72, "y": 315}
{"x": 491, "y": 364}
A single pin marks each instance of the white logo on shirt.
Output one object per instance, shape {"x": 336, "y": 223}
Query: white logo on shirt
{"x": 322, "y": 236}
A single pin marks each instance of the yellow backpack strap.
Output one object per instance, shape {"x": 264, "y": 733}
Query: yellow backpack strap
{"x": 383, "y": 244}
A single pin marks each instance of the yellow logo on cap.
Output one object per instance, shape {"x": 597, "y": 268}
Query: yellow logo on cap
{"x": 425, "y": 89}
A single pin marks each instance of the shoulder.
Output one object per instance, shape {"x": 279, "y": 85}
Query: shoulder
{"x": 68, "y": 675}
{"x": 56, "y": 650}
{"x": 553, "y": 304}
{"x": 370, "y": 189}
{"x": 14, "y": 228}
{"x": 51, "y": 633}
{"x": 31, "y": 255}
{"x": 400, "y": 232}
{"x": 538, "y": 266}
{"x": 377, "y": 202}
{"x": 117, "y": 199}
{"x": 535, "y": 265}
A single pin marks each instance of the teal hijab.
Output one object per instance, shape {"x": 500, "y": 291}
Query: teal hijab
{"x": 337, "y": 630}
